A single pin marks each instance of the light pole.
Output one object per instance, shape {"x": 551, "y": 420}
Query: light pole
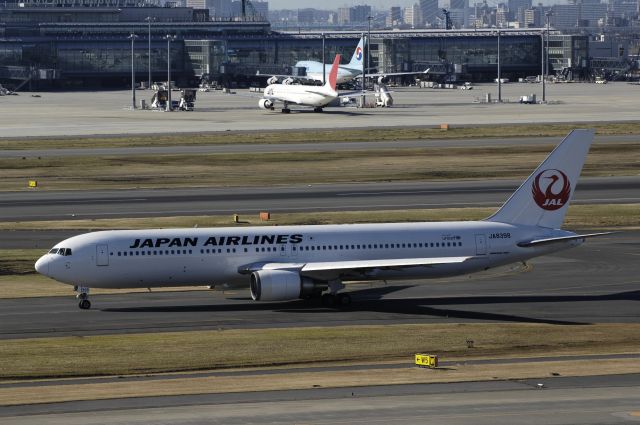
{"x": 324, "y": 67}
{"x": 544, "y": 92}
{"x": 149, "y": 19}
{"x": 499, "y": 76}
{"x": 364, "y": 71}
{"x": 133, "y": 73}
{"x": 369, "y": 42}
{"x": 169, "y": 38}
{"x": 548, "y": 16}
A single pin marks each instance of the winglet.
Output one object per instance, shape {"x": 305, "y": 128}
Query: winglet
{"x": 333, "y": 74}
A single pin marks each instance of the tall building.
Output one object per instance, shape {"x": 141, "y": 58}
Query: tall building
{"x": 517, "y": 8}
{"x": 344, "y": 15}
{"x": 413, "y": 16}
{"x": 394, "y": 18}
{"x": 458, "y": 4}
{"x": 429, "y": 10}
{"x": 502, "y": 16}
{"x": 459, "y": 13}
{"x": 360, "y": 13}
{"x": 198, "y": 4}
{"x": 355, "y": 14}
{"x": 534, "y": 17}
{"x": 581, "y": 14}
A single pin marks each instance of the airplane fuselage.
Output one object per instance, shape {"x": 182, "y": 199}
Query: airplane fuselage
{"x": 208, "y": 256}
{"x": 300, "y": 94}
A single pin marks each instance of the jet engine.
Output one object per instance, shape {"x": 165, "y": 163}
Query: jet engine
{"x": 383, "y": 79}
{"x": 283, "y": 285}
{"x": 288, "y": 81}
{"x": 272, "y": 80}
{"x": 265, "y": 104}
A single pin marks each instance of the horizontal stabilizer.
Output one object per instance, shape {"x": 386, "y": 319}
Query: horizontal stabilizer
{"x": 546, "y": 241}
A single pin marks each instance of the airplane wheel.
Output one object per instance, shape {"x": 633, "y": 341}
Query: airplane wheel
{"x": 317, "y": 109}
{"x": 328, "y": 300}
{"x": 343, "y": 300}
{"x": 84, "y": 304}
{"x": 286, "y": 110}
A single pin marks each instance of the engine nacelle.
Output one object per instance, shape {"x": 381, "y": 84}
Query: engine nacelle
{"x": 272, "y": 80}
{"x": 383, "y": 79}
{"x": 265, "y": 104}
{"x": 288, "y": 81}
{"x": 282, "y": 285}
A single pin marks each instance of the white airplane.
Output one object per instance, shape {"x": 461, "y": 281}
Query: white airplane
{"x": 291, "y": 262}
{"x": 298, "y": 94}
{"x": 346, "y": 73}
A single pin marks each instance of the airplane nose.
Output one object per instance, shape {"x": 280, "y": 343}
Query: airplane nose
{"x": 42, "y": 265}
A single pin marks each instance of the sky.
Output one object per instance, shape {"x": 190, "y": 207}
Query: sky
{"x": 377, "y": 4}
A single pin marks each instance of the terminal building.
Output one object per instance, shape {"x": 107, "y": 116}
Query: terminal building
{"x": 48, "y": 44}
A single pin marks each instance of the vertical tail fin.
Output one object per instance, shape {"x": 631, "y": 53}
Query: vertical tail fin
{"x": 333, "y": 74}
{"x": 543, "y": 199}
{"x": 358, "y": 55}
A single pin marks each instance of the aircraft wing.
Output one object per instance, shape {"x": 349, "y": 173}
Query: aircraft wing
{"x": 285, "y": 76}
{"x": 335, "y": 269}
{"x": 547, "y": 241}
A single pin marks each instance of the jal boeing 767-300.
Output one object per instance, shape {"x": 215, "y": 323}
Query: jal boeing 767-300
{"x": 291, "y": 262}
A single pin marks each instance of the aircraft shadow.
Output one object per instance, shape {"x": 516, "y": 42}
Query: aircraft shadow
{"x": 370, "y": 300}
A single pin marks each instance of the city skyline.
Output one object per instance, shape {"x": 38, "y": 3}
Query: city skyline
{"x": 377, "y": 4}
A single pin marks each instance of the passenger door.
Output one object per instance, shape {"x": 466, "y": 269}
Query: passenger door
{"x": 102, "y": 255}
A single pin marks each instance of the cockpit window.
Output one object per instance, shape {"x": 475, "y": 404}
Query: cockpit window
{"x": 65, "y": 252}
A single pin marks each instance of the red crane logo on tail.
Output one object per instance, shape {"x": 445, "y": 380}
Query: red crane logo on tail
{"x": 551, "y": 189}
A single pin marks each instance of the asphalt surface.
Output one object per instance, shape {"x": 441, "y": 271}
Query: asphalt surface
{"x": 596, "y": 283}
{"x": 301, "y": 147}
{"x": 68, "y": 205}
{"x": 562, "y": 401}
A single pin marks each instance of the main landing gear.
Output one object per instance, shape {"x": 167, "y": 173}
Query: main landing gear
{"x": 337, "y": 300}
{"x": 285, "y": 108}
{"x": 333, "y": 298}
{"x": 83, "y": 297}
{"x": 317, "y": 109}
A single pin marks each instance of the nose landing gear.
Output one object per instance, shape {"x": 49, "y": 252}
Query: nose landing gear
{"x": 83, "y": 297}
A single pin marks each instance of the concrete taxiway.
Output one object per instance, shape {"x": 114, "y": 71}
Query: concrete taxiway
{"x": 595, "y": 283}
{"x": 563, "y": 400}
{"x": 103, "y": 113}
{"x": 63, "y": 205}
